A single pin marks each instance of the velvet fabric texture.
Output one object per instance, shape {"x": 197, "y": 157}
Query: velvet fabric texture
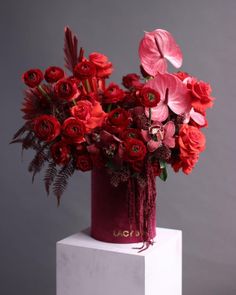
{"x": 111, "y": 207}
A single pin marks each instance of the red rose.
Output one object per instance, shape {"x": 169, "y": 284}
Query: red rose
{"x": 73, "y": 130}
{"x": 191, "y": 142}
{"x": 103, "y": 66}
{"x": 201, "y": 95}
{"x": 132, "y": 81}
{"x": 84, "y": 162}
{"x": 181, "y": 75}
{"x": 134, "y": 150}
{"x": 82, "y": 110}
{"x": 117, "y": 120}
{"x": 66, "y": 89}
{"x": 149, "y": 97}
{"x": 85, "y": 70}
{"x": 113, "y": 94}
{"x": 46, "y": 127}
{"x": 60, "y": 152}
{"x": 33, "y": 77}
{"x": 53, "y": 74}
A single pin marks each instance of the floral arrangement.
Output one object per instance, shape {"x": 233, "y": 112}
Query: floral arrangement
{"x": 77, "y": 121}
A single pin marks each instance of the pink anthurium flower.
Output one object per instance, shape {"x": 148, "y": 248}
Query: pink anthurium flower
{"x": 159, "y": 134}
{"x": 173, "y": 94}
{"x": 155, "y": 48}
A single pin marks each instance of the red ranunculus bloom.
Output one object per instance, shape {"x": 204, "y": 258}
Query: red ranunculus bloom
{"x": 113, "y": 94}
{"x": 149, "y": 97}
{"x": 103, "y": 66}
{"x": 117, "y": 120}
{"x": 201, "y": 95}
{"x": 33, "y": 77}
{"x": 132, "y": 81}
{"x": 134, "y": 150}
{"x": 85, "y": 70}
{"x": 82, "y": 110}
{"x": 131, "y": 133}
{"x": 46, "y": 127}
{"x": 73, "y": 130}
{"x": 84, "y": 162}
{"x": 66, "y": 89}
{"x": 60, "y": 152}
{"x": 53, "y": 74}
{"x": 191, "y": 141}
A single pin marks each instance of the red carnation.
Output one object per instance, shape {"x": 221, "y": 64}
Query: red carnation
{"x": 181, "y": 75}
{"x": 134, "y": 150}
{"x": 46, "y": 127}
{"x": 85, "y": 70}
{"x": 66, "y": 89}
{"x": 73, "y": 130}
{"x": 103, "y": 66}
{"x": 84, "y": 162}
{"x": 33, "y": 77}
{"x": 53, "y": 74}
{"x": 113, "y": 94}
{"x": 117, "y": 120}
{"x": 60, "y": 152}
{"x": 149, "y": 97}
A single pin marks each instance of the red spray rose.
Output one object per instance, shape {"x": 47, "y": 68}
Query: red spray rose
{"x": 117, "y": 120}
{"x": 66, "y": 89}
{"x": 97, "y": 117}
{"x": 149, "y": 97}
{"x": 134, "y": 150}
{"x": 73, "y": 130}
{"x": 191, "y": 142}
{"x": 113, "y": 94}
{"x": 103, "y": 66}
{"x": 84, "y": 162}
{"x": 33, "y": 77}
{"x": 132, "y": 81}
{"x": 46, "y": 127}
{"x": 60, "y": 152}
{"x": 181, "y": 75}
{"x": 53, "y": 74}
{"x": 201, "y": 95}
{"x": 85, "y": 70}
{"x": 82, "y": 110}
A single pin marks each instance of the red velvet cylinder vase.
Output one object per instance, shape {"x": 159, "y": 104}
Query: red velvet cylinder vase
{"x": 111, "y": 221}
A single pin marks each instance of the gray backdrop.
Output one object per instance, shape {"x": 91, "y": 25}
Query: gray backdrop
{"x": 203, "y": 204}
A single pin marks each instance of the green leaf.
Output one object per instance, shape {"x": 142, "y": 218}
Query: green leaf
{"x": 163, "y": 175}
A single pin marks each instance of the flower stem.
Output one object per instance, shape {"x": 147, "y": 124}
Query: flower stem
{"x": 40, "y": 88}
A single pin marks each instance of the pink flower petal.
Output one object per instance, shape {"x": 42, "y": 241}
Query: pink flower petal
{"x": 145, "y": 135}
{"x": 159, "y": 113}
{"x": 169, "y": 129}
{"x": 197, "y": 117}
{"x": 155, "y": 48}
{"x": 178, "y": 98}
{"x": 153, "y": 145}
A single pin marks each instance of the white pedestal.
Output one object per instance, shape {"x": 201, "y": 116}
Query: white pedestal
{"x": 86, "y": 266}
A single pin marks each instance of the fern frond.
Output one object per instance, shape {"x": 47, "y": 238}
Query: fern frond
{"x": 50, "y": 175}
{"x": 61, "y": 180}
{"x": 70, "y": 49}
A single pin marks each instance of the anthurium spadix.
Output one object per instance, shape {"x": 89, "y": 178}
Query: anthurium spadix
{"x": 156, "y": 48}
{"x": 174, "y": 95}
